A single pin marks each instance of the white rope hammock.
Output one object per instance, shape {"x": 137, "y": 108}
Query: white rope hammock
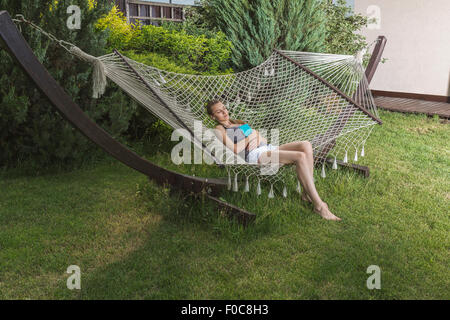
{"x": 322, "y": 98}
{"x": 277, "y": 94}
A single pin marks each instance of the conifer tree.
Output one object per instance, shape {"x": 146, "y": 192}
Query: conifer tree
{"x": 256, "y": 27}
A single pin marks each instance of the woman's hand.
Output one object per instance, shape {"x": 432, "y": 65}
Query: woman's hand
{"x": 261, "y": 139}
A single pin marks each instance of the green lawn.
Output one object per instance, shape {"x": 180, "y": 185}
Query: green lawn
{"x": 134, "y": 240}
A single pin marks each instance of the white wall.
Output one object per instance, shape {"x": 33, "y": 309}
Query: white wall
{"x": 418, "y": 45}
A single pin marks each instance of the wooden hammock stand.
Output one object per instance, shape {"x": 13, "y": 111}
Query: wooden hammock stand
{"x": 20, "y": 51}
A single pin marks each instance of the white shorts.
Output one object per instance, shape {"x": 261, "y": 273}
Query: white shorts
{"x": 254, "y": 155}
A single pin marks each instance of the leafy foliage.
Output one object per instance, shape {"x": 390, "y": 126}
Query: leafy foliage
{"x": 341, "y": 28}
{"x": 120, "y": 32}
{"x": 194, "y": 50}
{"x": 194, "y": 24}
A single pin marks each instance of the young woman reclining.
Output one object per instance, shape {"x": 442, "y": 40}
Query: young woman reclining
{"x": 257, "y": 150}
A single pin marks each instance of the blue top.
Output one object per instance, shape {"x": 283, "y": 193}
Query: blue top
{"x": 246, "y": 129}
{"x": 238, "y": 133}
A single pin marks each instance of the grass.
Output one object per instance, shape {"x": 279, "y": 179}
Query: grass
{"x": 135, "y": 240}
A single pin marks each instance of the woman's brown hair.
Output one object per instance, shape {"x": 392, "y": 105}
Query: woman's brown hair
{"x": 210, "y": 104}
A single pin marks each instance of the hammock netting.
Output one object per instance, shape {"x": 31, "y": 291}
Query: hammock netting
{"x": 292, "y": 96}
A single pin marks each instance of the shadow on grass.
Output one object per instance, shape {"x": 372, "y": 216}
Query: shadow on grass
{"x": 195, "y": 252}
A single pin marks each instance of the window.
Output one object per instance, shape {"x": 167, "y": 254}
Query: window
{"x": 144, "y": 10}
{"x": 133, "y": 10}
{"x": 178, "y": 13}
{"x": 167, "y": 12}
{"x": 156, "y": 11}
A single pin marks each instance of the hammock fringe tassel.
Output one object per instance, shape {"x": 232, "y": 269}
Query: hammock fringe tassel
{"x": 98, "y": 74}
{"x": 235, "y": 184}
{"x": 271, "y": 194}
{"x": 247, "y": 186}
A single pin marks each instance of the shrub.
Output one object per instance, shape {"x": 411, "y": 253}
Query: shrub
{"x": 194, "y": 24}
{"x": 30, "y": 128}
{"x": 119, "y": 31}
{"x": 197, "y": 52}
{"x": 256, "y": 27}
{"x": 341, "y": 28}
{"x": 204, "y": 54}
{"x": 160, "y": 61}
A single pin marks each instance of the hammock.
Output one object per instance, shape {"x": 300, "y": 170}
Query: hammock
{"x": 322, "y": 98}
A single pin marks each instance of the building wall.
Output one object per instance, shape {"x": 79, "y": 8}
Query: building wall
{"x": 418, "y": 47}
{"x": 151, "y": 12}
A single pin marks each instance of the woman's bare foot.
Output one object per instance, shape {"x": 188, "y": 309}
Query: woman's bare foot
{"x": 325, "y": 213}
{"x": 305, "y": 197}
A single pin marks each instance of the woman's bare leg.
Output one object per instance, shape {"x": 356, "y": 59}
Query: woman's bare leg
{"x": 306, "y": 147}
{"x": 303, "y": 174}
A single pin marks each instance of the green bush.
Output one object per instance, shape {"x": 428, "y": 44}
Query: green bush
{"x": 196, "y": 52}
{"x": 160, "y": 61}
{"x": 200, "y": 53}
{"x": 341, "y": 28}
{"x": 257, "y": 27}
{"x": 194, "y": 24}
{"x": 31, "y": 130}
{"x": 118, "y": 30}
